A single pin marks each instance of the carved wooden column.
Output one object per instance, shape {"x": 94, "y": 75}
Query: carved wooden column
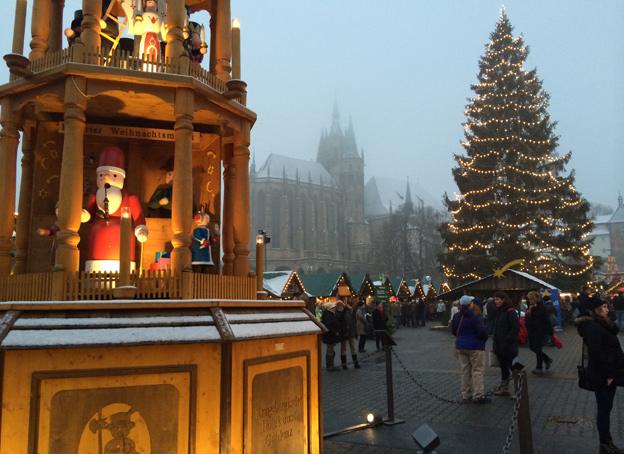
{"x": 9, "y": 140}
{"x": 70, "y": 192}
{"x": 182, "y": 205}
{"x": 19, "y": 26}
{"x": 240, "y": 160}
{"x": 25, "y": 200}
{"x": 40, "y": 28}
{"x": 56, "y": 25}
{"x": 227, "y": 225}
{"x": 90, "y": 36}
{"x": 175, "y": 38}
{"x": 223, "y": 51}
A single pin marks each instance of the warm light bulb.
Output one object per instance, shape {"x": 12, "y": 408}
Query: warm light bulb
{"x": 235, "y": 23}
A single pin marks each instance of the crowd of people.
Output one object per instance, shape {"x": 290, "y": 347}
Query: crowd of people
{"x": 473, "y": 321}
{"x": 597, "y": 322}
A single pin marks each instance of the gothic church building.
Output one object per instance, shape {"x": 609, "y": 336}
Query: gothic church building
{"x": 315, "y": 210}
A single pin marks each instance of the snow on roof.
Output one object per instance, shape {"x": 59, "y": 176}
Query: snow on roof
{"x": 259, "y": 317}
{"x": 94, "y": 322}
{"x": 255, "y": 330}
{"x": 602, "y": 219}
{"x": 276, "y": 165}
{"x": 274, "y": 282}
{"x": 534, "y": 279}
{"x": 102, "y": 337}
{"x": 600, "y": 229}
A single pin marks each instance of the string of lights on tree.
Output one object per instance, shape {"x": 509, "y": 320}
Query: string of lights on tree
{"x": 515, "y": 200}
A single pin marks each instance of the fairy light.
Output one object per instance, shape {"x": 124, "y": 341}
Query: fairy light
{"x": 508, "y": 139}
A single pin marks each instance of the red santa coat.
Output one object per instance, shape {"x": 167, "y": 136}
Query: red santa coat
{"x": 104, "y": 239}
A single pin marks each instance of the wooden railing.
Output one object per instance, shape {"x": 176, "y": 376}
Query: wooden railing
{"x": 223, "y": 287}
{"x": 159, "y": 284}
{"x": 124, "y": 59}
{"x": 51, "y": 60}
{"x": 206, "y": 77}
{"x": 27, "y": 287}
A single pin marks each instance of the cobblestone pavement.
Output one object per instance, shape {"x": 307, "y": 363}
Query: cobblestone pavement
{"x": 562, "y": 414}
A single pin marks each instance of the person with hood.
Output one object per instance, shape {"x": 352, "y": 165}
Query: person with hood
{"x": 348, "y": 331}
{"x": 506, "y": 328}
{"x": 471, "y": 335}
{"x": 332, "y": 336}
{"x": 605, "y": 364}
{"x": 538, "y": 325}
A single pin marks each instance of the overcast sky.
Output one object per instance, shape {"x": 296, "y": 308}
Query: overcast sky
{"x": 402, "y": 70}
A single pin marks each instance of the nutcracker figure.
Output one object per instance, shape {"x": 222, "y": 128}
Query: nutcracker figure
{"x": 203, "y": 240}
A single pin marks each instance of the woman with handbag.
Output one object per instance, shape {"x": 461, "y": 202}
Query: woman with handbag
{"x": 605, "y": 367}
{"x": 538, "y": 326}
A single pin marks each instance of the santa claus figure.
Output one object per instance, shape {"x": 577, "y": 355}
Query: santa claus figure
{"x": 104, "y": 209}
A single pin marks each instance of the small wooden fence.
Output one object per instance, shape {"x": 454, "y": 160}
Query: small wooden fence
{"x": 27, "y": 287}
{"x": 51, "y": 60}
{"x": 223, "y": 287}
{"x": 154, "y": 284}
{"x": 158, "y": 284}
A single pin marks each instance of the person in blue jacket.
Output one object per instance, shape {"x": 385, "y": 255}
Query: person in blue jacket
{"x": 470, "y": 334}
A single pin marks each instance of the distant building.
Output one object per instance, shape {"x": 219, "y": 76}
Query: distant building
{"x": 608, "y": 235}
{"x": 320, "y": 215}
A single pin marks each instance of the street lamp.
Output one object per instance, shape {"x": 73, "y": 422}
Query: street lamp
{"x": 261, "y": 239}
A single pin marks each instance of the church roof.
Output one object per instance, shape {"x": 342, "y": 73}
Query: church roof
{"x": 392, "y": 192}
{"x": 293, "y": 169}
{"x": 373, "y": 206}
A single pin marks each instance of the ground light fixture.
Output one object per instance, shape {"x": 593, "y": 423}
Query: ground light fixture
{"x": 426, "y": 438}
{"x": 372, "y": 420}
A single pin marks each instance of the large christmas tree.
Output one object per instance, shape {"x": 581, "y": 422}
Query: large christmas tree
{"x": 515, "y": 200}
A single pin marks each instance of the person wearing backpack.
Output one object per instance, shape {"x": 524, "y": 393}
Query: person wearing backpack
{"x": 605, "y": 366}
{"x": 505, "y": 345}
{"x": 469, "y": 329}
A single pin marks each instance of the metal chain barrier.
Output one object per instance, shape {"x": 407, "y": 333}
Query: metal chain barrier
{"x": 514, "y": 416}
{"x": 414, "y": 380}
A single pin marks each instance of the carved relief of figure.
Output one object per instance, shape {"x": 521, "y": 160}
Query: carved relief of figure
{"x": 119, "y": 427}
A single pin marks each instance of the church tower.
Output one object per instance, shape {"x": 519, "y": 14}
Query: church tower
{"x": 338, "y": 153}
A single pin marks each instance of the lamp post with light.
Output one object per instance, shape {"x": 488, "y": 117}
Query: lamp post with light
{"x": 262, "y": 238}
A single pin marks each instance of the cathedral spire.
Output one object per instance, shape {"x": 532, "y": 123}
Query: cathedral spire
{"x": 335, "y": 126}
{"x": 620, "y": 201}
{"x": 409, "y": 206}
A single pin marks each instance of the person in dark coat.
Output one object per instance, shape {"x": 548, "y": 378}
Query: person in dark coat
{"x": 468, "y": 328}
{"x": 348, "y": 332}
{"x": 537, "y": 321}
{"x": 582, "y": 303}
{"x": 605, "y": 365}
{"x": 505, "y": 345}
{"x": 379, "y": 323}
{"x": 332, "y": 336}
{"x": 421, "y": 312}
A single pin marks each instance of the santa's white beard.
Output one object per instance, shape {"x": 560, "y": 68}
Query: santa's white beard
{"x": 114, "y": 199}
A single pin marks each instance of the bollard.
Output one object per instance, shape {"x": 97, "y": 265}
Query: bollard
{"x": 388, "y": 342}
{"x": 525, "y": 434}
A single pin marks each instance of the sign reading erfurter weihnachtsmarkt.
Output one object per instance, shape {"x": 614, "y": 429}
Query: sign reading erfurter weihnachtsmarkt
{"x": 130, "y": 132}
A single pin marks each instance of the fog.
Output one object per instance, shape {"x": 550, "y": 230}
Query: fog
{"x": 402, "y": 71}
